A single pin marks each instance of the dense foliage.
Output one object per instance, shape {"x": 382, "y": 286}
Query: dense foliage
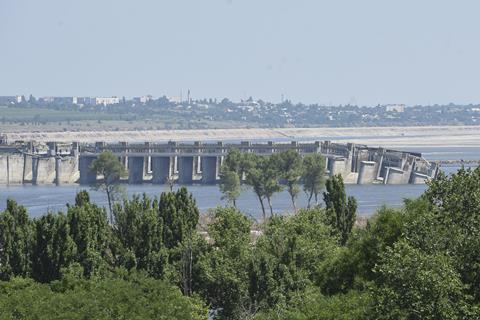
{"x": 267, "y": 175}
{"x": 128, "y": 297}
{"x": 157, "y": 261}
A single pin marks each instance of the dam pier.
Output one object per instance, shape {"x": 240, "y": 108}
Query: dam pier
{"x": 199, "y": 163}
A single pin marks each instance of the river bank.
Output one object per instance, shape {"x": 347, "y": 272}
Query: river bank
{"x": 433, "y": 136}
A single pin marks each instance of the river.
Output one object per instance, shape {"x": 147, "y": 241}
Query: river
{"x": 41, "y": 199}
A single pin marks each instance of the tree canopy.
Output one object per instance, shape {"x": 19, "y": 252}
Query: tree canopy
{"x": 161, "y": 259}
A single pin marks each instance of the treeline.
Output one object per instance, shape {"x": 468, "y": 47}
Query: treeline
{"x": 156, "y": 261}
{"x": 267, "y": 175}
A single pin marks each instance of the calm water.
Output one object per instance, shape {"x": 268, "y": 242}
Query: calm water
{"x": 40, "y": 199}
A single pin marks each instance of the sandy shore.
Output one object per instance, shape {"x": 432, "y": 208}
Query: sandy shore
{"x": 446, "y": 136}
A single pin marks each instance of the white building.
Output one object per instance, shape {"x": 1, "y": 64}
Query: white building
{"x": 83, "y": 101}
{"x": 107, "y": 100}
{"x": 145, "y": 99}
{"x": 395, "y": 108}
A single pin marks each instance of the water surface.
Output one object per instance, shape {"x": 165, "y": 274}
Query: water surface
{"x": 44, "y": 198}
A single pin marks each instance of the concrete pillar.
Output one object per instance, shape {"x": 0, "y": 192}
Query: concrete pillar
{"x": 209, "y": 170}
{"x": 336, "y": 166}
{"x": 52, "y": 148}
{"x": 394, "y": 176}
{"x": 58, "y": 168}
{"x": 175, "y": 164}
{"x": 245, "y": 145}
{"x": 34, "y": 170}
{"x": 75, "y": 149}
{"x": 87, "y": 176}
{"x": 8, "y": 170}
{"x": 366, "y": 173}
{"x": 135, "y": 170}
{"x": 30, "y": 147}
{"x": 124, "y": 159}
{"x": 272, "y": 149}
{"x": 27, "y": 168}
{"x": 350, "y": 159}
{"x": 197, "y": 160}
{"x": 185, "y": 170}
{"x": 381, "y": 173}
{"x": 419, "y": 178}
{"x": 318, "y": 147}
{"x": 147, "y": 161}
{"x": 162, "y": 169}
{"x": 100, "y": 145}
{"x": 198, "y": 165}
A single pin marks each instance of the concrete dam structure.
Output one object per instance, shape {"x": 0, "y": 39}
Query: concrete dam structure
{"x": 187, "y": 163}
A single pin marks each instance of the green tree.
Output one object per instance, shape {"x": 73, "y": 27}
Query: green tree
{"x": 230, "y": 186}
{"x": 269, "y": 177}
{"x": 110, "y": 167}
{"x": 263, "y": 176}
{"x": 254, "y": 177}
{"x": 139, "y": 230}
{"x": 313, "y": 305}
{"x": 313, "y": 175}
{"x": 416, "y": 285}
{"x": 230, "y": 175}
{"x": 128, "y": 297}
{"x": 179, "y": 214}
{"x": 286, "y": 257}
{"x": 448, "y": 221}
{"x": 16, "y": 234}
{"x": 352, "y": 266}
{"x": 89, "y": 230}
{"x": 290, "y": 166}
{"x": 233, "y": 162}
{"x": 223, "y": 277}
{"x": 341, "y": 211}
{"x": 53, "y": 247}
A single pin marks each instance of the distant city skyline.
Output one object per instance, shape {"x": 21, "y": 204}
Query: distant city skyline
{"x": 344, "y": 52}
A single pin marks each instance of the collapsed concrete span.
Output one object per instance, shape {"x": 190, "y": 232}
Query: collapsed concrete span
{"x": 187, "y": 163}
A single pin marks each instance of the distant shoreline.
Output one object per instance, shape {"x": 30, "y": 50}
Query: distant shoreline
{"x": 438, "y": 136}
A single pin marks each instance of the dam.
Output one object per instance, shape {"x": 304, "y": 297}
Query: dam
{"x": 199, "y": 163}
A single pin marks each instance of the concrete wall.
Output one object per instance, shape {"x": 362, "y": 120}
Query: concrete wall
{"x": 367, "y": 172}
{"x": 201, "y": 162}
{"x": 44, "y": 170}
{"x": 15, "y": 168}
{"x": 396, "y": 176}
{"x": 3, "y": 170}
{"x": 68, "y": 170}
{"x": 27, "y": 168}
{"x": 11, "y": 169}
{"x": 337, "y": 166}
{"x": 419, "y": 178}
{"x": 86, "y": 175}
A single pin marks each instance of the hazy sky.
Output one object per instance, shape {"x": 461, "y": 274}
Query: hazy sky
{"x": 335, "y": 52}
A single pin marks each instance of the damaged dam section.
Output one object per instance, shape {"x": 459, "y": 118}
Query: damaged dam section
{"x": 199, "y": 163}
